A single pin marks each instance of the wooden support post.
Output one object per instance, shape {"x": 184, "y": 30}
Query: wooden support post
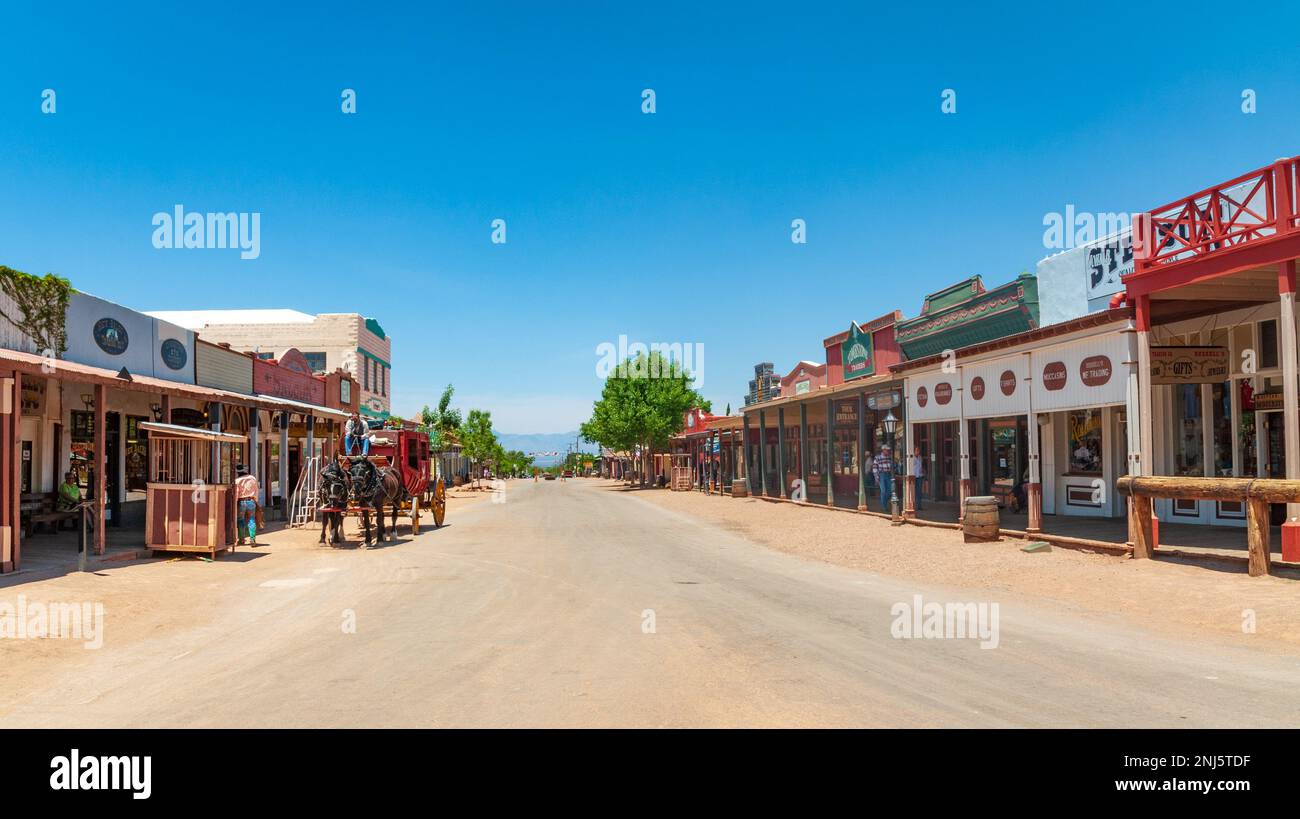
{"x": 762, "y": 451}
{"x": 862, "y": 452}
{"x": 16, "y": 479}
{"x": 99, "y": 486}
{"x": 1290, "y": 375}
{"x": 830, "y": 452}
{"x": 285, "y": 489}
{"x": 1257, "y": 536}
{"x": 1140, "y": 527}
{"x": 780, "y": 448}
{"x": 909, "y": 493}
{"x": 803, "y": 449}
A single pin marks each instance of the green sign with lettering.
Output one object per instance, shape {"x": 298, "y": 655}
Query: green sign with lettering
{"x": 858, "y": 353}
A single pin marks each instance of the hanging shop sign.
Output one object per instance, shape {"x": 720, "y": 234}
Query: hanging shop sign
{"x": 1055, "y": 375}
{"x": 1267, "y": 401}
{"x": 1007, "y": 383}
{"x": 886, "y": 400}
{"x": 33, "y": 396}
{"x": 1189, "y": 365}
{"x": 858, "y": 353}
{"x": 977, "y": 388}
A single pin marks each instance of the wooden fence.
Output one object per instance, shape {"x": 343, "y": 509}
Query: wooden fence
{"x": 1256, "y": 493}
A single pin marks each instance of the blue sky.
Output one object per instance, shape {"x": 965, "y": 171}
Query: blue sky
{"x": 666, "y": 227}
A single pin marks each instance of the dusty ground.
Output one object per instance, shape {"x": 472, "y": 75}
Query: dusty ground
{"x": 578, "y": 604}
{"x": 1171, "y": 597}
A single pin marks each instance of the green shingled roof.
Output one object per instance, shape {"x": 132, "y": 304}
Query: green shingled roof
{"x": 966, "y": 314}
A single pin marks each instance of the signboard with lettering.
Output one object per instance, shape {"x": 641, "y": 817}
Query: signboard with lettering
{"x": 977, "y": 388}
{"x": 858, "y": 353}
{"x": 885, "y": 400}
{"x": 270, "y": 379}
{"x": 1189, "y": 365}
{"x": 1095, "y": 370}
{"x": 846, "y": 413}
{"x": 1055, "y": 376}
{"x": 33, "y": 395}
{"x": 942, "y": 392}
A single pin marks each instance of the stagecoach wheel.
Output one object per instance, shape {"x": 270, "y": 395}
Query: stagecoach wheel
{"x": 439, "y": 503}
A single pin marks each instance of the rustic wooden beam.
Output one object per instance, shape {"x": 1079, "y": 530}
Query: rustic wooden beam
{"x": 1273, "y": 490}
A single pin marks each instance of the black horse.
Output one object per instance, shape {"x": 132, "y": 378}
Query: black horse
{"x": 373, "y": 488}
{"x": 335, "y": 485}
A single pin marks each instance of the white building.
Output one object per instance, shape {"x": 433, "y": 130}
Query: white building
{"x": 329, "y": 341}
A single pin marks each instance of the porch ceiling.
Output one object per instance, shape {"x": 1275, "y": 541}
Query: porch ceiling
{"x": 1243, "y": 288}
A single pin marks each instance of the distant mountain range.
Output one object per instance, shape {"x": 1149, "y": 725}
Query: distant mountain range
{"x": 539, "y": 444}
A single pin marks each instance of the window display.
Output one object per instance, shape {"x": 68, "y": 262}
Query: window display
{"x": 1085, "y": 442}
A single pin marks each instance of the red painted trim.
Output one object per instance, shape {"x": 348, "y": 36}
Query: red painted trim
{"x": 1286, "y": 277}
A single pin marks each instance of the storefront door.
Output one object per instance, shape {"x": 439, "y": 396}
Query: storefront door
{"x": 1274, "y": 453}
{"x": 948, "y": 468}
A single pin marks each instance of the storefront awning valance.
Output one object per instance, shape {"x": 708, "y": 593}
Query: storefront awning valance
{"x": 195, "y": 433}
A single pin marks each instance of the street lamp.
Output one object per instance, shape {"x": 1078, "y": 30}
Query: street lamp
{"x": 890, "y": 423}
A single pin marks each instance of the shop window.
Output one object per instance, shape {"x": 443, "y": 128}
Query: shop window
{"x": 316, "y": 361}
{"x": 1221, "y": 403}
{"x": 846, "y": 452}
{"x": 1189, "y": 444}
{"x": 1085, "y": 441}
{"x": 1268, "y": 344}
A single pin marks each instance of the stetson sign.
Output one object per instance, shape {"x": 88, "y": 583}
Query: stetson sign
{"x": 859, "y": 354}
{"x": 1189, "y": 365}
{"x": 977, "y": 388}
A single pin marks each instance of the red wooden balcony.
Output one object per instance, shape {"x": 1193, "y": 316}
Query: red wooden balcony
{"x": 1243, "y": 229}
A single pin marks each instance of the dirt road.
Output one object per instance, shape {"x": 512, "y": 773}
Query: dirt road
{"x": 571, "y": 604}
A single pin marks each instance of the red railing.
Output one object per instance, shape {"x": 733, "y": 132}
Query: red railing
{"x": 1254, "y": 207}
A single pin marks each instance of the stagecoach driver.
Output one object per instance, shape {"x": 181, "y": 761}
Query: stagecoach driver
{"x": 246, "y": 492}
{"x": 356, "y": 432}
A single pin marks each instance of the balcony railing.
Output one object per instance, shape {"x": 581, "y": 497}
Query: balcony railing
{"x": 1255, "y": 207}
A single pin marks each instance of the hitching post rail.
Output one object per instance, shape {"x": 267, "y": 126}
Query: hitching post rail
{"x": 1256, "y": 493}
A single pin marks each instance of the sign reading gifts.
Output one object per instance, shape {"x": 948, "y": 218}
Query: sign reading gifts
{"x": 858, "y": 353}
{"x": 1189, "y": 365}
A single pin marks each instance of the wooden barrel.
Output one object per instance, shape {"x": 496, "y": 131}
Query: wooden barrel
{"x": 981, "y": 522}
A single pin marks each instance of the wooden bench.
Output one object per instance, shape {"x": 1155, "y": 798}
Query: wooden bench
{"x": 41, "y": 509}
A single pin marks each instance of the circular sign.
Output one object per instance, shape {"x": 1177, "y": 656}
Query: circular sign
{"x": 173, "y": 354}
{"x": 1007, "y": 382}
{"x": 922, "y": 396}
{"x": 1095, "y": 370}
{"x": 1054, "y": 376}
{"x": 942, "y": 393}
{"x": 111, "y": 336}
{"x": 977, "y": 388}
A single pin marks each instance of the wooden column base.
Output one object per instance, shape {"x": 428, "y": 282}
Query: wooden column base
{"x": 909, "y": 496}
{"x": 1035, "y": 498}
{"x": 961, "y": 501}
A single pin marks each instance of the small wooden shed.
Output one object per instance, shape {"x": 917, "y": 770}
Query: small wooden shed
{"x": 187, "y": 509}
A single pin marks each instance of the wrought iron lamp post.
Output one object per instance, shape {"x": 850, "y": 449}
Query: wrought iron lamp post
{"x": 890, "y": 423}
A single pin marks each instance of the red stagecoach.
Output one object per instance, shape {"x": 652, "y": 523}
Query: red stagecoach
{"x": 408, "y": 450}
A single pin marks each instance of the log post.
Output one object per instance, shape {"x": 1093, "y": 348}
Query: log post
{"x": 1257, "y": 536}
{"x": 1140, "y": 526}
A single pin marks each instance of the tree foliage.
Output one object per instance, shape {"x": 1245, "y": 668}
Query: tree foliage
{"x": 437, "y": 423}
{"x": 477, "y": 440}
{"x": 43, "y": 303}
{"x": 639, "y": 409}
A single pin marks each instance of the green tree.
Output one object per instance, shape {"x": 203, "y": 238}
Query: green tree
{"x": 643, "y": 403}
{"x": 43, "y": 304}
{"x": 477, "y": 440}
{"x": 437, "y": 423}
